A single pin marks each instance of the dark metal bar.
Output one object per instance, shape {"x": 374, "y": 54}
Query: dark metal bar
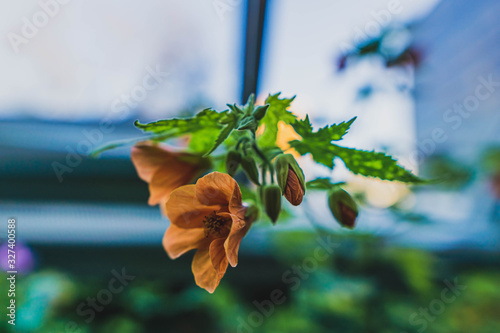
{"x": 256, "y": 10}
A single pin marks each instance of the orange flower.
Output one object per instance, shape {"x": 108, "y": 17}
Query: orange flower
{"x": 165, "y": 170}
{"x": 210, "y": 217}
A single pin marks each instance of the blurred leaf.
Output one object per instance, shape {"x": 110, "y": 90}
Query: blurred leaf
{"x": 491, "y": 160}
{"x": 272, "y": 152}
{"x": 417, "y": 266}
{"x": 366, "y": 163}
{"x": 231, "y": 120}
{"x": 449, "y": 173}
{"x": 276, "y": 112}
{"x": 201, "y": 141}
{"x": 249, "y": 193}
{"x": 321, "y": 184}
{"x": 319, "y": 143}
{"x": 326, "y": 134}
{"x": 119, "y": 143}
{"x": 203, "y": 128}
{"x": 374, "y": 164}
{"x": 122, "y": 324}
{"x": 290, "y": 320}
{"x": 180, "y": 126}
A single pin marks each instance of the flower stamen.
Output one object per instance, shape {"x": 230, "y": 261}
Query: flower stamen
{"x": 215, "y": 225}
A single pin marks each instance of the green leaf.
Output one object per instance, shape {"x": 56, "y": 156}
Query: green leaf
{"x": 121, "y": 143}
{"x": 276, "y": 112}
{"x": 374, "y": 164}
{"x": 201, "y": 141}
{"x": 203, "y": 128}
{"x": 180, "y": 126}
{"x": 231, "y": 124}
{"x": 235, "y": 109}
{"x": 247, "y": 122}
{"x": 272, "y": 152}
{"x": 368, "y": 163}
{"x": 320, "y": 151}
{"x": 112, "y": 145}
{"x": 321, "y": 184}
{"x": 330, "y": 133}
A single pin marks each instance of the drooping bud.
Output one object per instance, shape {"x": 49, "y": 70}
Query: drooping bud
{"x": 272, "y": 201}
{"x": 290, "y": 178}
{"x": 250, "y": 167}
{"x": 233, "y": 160}
{"x": 343, "y": 207}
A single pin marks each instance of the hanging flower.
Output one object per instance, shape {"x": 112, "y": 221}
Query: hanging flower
{"x": 209, "y": 217}
{"x": 165, "y": 170}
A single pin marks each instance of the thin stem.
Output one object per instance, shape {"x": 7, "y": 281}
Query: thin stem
{"x": 241, "y": 141}
{"x": 267, "y": 164}
{"x": 264, "y": 159}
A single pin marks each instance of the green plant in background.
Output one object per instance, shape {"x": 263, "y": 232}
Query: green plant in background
{"x": 361, "y": 287}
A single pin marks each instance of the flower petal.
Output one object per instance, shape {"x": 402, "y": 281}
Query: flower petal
{"x": 164, "y": 170}
{"x": 235, "y": 204}
{"x": 184, "y": 209}
{"x": 204, "y": 272}
{"x": 178, "y": 241}
{"x": 218, "y": 257}
{"x": 165, "y": 180}
{"x": 239, "y": 229}
{"x": 215, "y": 189}
{"x": 148, "y": 158}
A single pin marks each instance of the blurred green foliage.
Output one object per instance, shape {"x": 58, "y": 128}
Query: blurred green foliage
{"x": 364, "y": 285}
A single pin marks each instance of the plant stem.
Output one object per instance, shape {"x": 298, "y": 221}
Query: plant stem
{"x": 241, "y": 141}
{"x": 267, "y": 164}
{"x": 264, "y": 159}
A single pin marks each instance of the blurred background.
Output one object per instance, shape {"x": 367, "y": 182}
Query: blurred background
{"x": 423, "y": 77}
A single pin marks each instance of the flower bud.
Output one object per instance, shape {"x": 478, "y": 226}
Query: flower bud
{"x": 343, "y": 207}
{"x": 260, "y": 112}
{"x": 250, "y": 167}
{"x": 272, "y": 201}
{"x": 252, "y": 212}
{"x": 290, "y": 178}
{"x": 233, "y": 160}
